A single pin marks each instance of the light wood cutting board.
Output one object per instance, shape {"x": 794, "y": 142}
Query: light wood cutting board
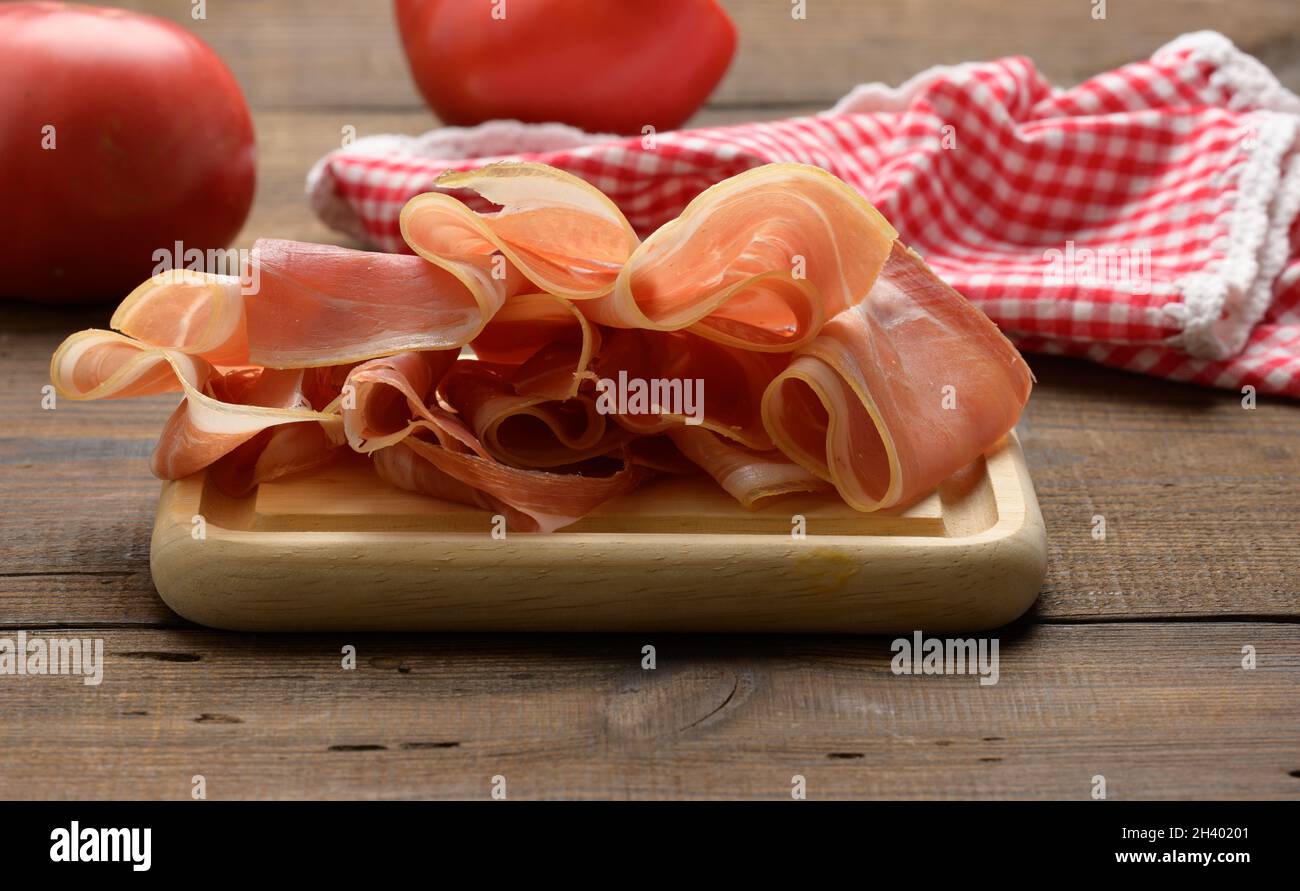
{"x": 340, "y": 549}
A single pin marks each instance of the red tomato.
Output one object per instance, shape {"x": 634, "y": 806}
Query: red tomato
{"x": 602, "y": 66}
{"x": 120, "y": 134}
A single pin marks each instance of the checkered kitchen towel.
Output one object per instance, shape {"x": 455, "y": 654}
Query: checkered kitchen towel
{"x": 1145, "y": 219}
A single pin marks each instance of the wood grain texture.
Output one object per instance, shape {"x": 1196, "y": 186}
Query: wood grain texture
{"x": 1160, "y": 710}
{"x": 319, "y": 53}
{"x": 338, "y": 549}
{"x": 1199, "y": 496}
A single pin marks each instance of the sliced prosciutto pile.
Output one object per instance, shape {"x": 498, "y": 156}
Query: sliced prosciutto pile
{"x": 827, "y": 355}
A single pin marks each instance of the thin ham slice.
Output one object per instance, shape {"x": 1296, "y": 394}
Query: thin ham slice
{"x": 528, "y": 430}
{"x": 238, "y": 406}
{"x": 899, "y": 391}
{"x": 274, "y": 453}
{"x": 318, "y": 305}
{"x": 195, "y": 313}
{"x": 219, "y": 413}
{"x": 566, "y": 237}
{"x": 551, "y": 341}
{"x": 305, "y": 305}
{"x": 392, "y": 397}
{"x": 534, "y": 503}
{"x": 396, "y": 409}
{"x": 749, "y": 476}
{"x": 726, "y": 381}
{"x": 532, "y": 500}
{"x": 96, "y": 364}
{"x": 479, "y": 370}
{"x": 758, "y": 261}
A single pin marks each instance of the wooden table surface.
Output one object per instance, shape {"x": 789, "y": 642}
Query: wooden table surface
{"x": 1129, "y": 667}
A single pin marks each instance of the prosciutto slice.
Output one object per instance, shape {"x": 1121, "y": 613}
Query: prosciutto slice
{"x": 532, "y": 500}
{"x": 728, "y": 383}
{"x": 528, "y": 430}
{"x": 548, "y": 337}
{"x": 535, "y": 358}
{"x": 899, "y": 391}
{"x": 758, "y": 261}
{"x": 318, "y": 305}
{"x": 563, "y": 235}
{"x": 219, "y": 413}
{"x": 749, "y": 476}
{"x": 236, "y": 407}
{"x": 195, "y": 313}
{"x": 421, "y": 444}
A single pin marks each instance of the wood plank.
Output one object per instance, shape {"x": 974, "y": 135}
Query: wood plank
{"x": 1160, "y": 710}
{"x": 1199, "y": 496}
{"x": 76, "y": 495}
{"x": 315, "y": 53}
{"x": 842, "y": 43}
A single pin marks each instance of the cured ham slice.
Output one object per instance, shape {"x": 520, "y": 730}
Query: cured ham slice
{"x": 899, "y": 391}
{"x": 565, "y": 236}
{"x": 545, "y": 503}
{"x": 205, "y": 428}
{"x": 548, "y": 337}
{"x": 317, "y": 304}
{"x": 304, "y": 305}
{"x": 97, "y": 364}
{"x": 532, "y": 500}
{"x": 523, "y": 398}
{"x": 392, "y": 397}
{"x": 749, "y": 476}
{"x": 725, "y": 382}
{"x": 275, "y": 452}
{"x": 395, "y": 409}
{"x": 218, "y": 414}
{"x": 528, "y": 430}
{"x": 537, "y": 360}
{"x": 195, "y": 313}
{"x": 758, "y": 261}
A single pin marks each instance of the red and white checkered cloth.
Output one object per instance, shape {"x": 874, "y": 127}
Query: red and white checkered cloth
{"x": 1145, "y": 219}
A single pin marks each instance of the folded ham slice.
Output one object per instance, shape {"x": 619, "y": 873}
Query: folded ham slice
{"x": 563, "y": 235}
{"x": 219, "y": 412}
{"x": 899, "y": 391}
{"x": 820, "y": 352}
{"x": 758, "y": 261}
{"x": 239, "y": 405}
{"x": 528, "y": 430}
{"x": 749, "y": 476}
{"x": 392, "y": 397}
{"x": 195, "y": 313}
{"x": 531, "y": 500}
{"x": 728, "y": 382}
{"x": 421, "y": 445}
{"x": 547, "y": 337}
{"x": 275, "y": 452}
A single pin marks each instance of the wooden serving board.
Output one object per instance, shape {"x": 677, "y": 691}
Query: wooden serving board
{"x": 340, "y": 549}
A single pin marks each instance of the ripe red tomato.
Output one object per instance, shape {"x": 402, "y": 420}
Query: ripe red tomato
{"x": 120, "y": 134}
{"x": 602, "y": 66}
